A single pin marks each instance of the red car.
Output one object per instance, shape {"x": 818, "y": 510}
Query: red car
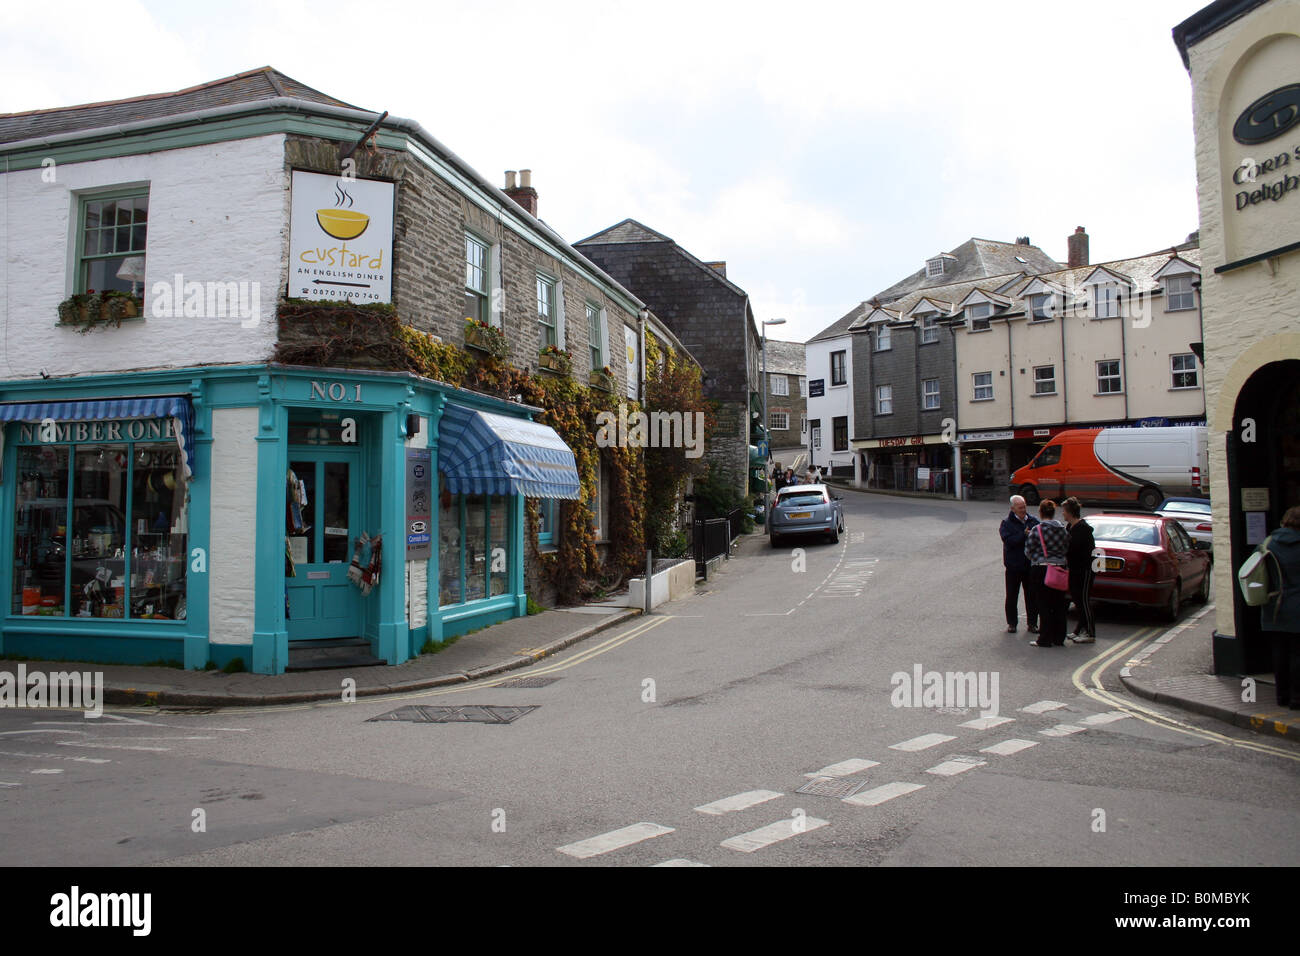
{"x": 1148, "y": 560}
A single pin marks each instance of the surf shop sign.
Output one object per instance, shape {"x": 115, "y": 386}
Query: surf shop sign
{"x": 340, "y": 239}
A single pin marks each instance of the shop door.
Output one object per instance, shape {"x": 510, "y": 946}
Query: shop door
{"x": 322, "y": 521}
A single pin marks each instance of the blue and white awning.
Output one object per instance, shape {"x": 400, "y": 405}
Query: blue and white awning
{"x": 176, "y": 407}
{"x": 485, "y": 454}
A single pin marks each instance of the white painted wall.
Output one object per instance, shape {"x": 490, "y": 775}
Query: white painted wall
{"x": 216, "y": 213}
{"x": 231, "y": 551}
{"x": 835, "y": 403}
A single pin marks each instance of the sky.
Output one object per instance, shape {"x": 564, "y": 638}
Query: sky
{"x": 823, "y": 150}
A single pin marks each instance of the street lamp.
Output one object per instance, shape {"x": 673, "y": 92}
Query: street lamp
{"x": 766, "y": 428}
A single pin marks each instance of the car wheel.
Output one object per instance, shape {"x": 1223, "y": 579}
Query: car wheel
{"x": 1203, "y": 594}
{"x": 773, "y": 540}
{"x": 1148, "y": 499}
{"x": 1174, "y": 604}
{"x": 1030, "y": 494}
{"x": 834, "y": 535}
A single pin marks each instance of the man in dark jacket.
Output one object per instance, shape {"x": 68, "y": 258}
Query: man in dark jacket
{"x": 1281, "y": 614}
{"x": 1013, "y": 529}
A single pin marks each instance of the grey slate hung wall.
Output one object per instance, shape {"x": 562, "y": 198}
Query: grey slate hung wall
{"x": 904, "y": 366}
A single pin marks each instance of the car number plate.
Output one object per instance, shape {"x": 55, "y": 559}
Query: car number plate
{"x": 1114, "y": 564}
{"x": 798, "y": 514}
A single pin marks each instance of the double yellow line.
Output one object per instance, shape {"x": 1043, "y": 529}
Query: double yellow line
{"x": 1098, "y": 692}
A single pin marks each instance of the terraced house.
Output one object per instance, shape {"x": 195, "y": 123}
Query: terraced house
{"x": 277, "y": 368}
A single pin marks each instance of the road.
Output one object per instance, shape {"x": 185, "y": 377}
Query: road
{"x": 684, "y": 738}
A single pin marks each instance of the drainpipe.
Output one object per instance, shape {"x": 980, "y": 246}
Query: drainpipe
{"x": 1011, "y": 377}
{"x": 956, "y": 404}
{"x": 642, "y": 317}
{"x": 1123, "y": 352}
{"x": 1065, "y": 364}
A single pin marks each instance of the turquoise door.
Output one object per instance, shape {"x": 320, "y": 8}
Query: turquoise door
{"x": 322, "y": 523}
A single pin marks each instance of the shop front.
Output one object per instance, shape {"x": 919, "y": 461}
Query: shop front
{"x": 921, "y": 463}
{"x": 141, "y": 515}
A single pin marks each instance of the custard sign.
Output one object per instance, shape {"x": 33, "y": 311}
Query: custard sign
{"x": 341, "y": 239}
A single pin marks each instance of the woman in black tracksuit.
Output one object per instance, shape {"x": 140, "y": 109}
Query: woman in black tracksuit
{"x": 1082, "y": 545}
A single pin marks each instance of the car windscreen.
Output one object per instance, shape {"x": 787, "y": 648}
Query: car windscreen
{"x": 802, "y": 498}
{"x": 1119, "y": 530}
{"x": 1186, "y": 507}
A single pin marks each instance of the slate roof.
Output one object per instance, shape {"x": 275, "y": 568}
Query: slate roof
{"x": 785, "y": 357}
{"x": 975, "y": 259}
{"x": 949, "y": 294}
{"x": 264, "y": 83}
{"x": 630, "y": 231}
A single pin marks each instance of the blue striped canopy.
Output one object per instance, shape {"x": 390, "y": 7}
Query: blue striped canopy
{"x": 485, "y": 454}
{"x": 166, "y": 406}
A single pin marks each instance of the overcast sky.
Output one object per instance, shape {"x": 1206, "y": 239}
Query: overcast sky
{"x": 824, "y": 150}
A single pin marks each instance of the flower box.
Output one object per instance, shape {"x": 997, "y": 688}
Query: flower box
{"x": 486, "y": 338}
{"x": 602, "y": 379}
{"x": 88, "y": 310}
{"x": 557, "y": 362}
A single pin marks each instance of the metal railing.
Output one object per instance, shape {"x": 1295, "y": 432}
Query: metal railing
{"x": 713, "y": 537}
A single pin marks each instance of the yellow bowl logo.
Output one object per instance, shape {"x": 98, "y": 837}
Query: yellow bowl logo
{"x": 342, "y": 223}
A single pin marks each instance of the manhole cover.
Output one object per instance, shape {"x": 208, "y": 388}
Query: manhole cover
{"x": 469, "y": 713}
{"x": 833, "y": 786}
{"x": 528, "y": 682}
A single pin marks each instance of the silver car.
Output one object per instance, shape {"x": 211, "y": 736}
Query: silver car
{"x": 805, "y": 509}
{"x": 1193, "y": 514}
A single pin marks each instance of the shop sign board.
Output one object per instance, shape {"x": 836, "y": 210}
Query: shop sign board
{"x": 817, "y": 388}
{"x": 419, "y": 503}
{"x": 1005, "y": 435}
{"x": 340, "y": 238}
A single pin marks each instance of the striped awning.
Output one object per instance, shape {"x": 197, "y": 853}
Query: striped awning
{"x": 485, "y": 454}
{"x": 176, "y": 407}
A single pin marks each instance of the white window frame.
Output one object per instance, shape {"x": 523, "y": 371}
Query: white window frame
{"x": 803, "y": 386}
{"x": 596, "y": 336}
{"x": 1118, "y": 377}
{"x": 481, "y": 293}
{"x": 816, "y": 437}
{"x": 548, "y": 303}
{"x": 1049, "y": 379}
{"x": 1105, "y": 301}
{"x": 934, "y": 267}
{"x": 1191, "y": 369}
{"x": 929, "y": 328}
{"x": 803, "y": 423}
{"x": 977, "y": 385}
{"x": 981, "y": 313}
{"x": 930, "y": 398}
{"x": 1040, "y": 307}
{"x": 884, "y": 338}
{"x": 884, "y": 399}
{"x": 782, "y": 417}
{"x": 1181, "y": 299}
{"x": 778, "y": 384}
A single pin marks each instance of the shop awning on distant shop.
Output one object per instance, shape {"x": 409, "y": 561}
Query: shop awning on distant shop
{"x": 176, "y": 407}
{"x": 485, "y": 454}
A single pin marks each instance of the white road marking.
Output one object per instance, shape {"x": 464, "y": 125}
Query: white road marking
{"x": 5, "y": 783}
{"x": 878, "y": 795}
{"x": 1043, "y": 706}
{"x": 11, "y": 733}
{"x": 984, "y": 723}
{"x": 680, "y": 862}
{"x": 1008, "y": 747}
{"x": 1062, "y": 730}
{"x": 773, "y": 833}
{"x": 78, "y": 743}
{"x": 956, "y": 765}
{"x": 843, "y": 768}
{"x": 19, "y": 753}
{"x": 1107, "y": 718}
{"x": 923, "y": 742}
{"x": 741, "y": 801}
{"x": 45, "y": 771}
{"x": 613, "y": 840}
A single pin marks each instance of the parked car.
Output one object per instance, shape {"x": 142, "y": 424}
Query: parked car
{"x": 1149, "y": 561}
{"x": 1194, "y": 515}
{"x": 805, "y": 509}
{"x": 1118, "y": 465}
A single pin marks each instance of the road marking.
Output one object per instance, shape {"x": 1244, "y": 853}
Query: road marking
{"x": 77, "y": 743}
{"x": 680, "y": 862}
{"x": 19, "y": 753}
{"x": 984, "y": 723}
{"x": 1062, "y": 730}
{"x": 613, "y": 840}
{"x": 843, "y": 768}
{"x": 11, "y": 733}
{"x": 5, "y": 783}
{"x": 773, "y": 833}
{"x": 955, "y": 765}
{"x": 1008, "y": 747}
{"x": 741, "y": 801}
{"x": 852, "y": 579}
{"x": 45, "y": 771}
{"x": 878, "y": 795}
{"x": 1109, "y": 717}
{"x": 1043, "y": 706}
{"x": 923, "y": 742}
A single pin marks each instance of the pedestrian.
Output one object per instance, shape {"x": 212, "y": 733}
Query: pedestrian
{"x": 1048, "y": 543}
{"x": 1281, "y": 615}
{"x": 789, "y": 476}
{"x": 1016, "y": 565}
{"x": 1082, "y": 544}
{"x": 778, "y": 477}
{"x": 810, "y": 476}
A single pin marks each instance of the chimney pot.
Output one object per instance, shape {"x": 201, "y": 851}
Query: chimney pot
{"x": 510, "y": 179}
{"x": 1022, "y": 240}
{"x": 1077, "y": 244}
{"x": 523, "y": 193}
{"x": 525, "y": 179}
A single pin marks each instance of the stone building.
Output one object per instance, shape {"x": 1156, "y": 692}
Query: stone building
{"x": 712, "y": 318}
{"x": 787, "y": 403}
{"x": 1243, "y": 57}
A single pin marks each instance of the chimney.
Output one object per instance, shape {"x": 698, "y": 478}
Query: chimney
{"x": 718, "y": 267}
{"x": 1078, "y": 248}
{"x": 1022, "y": 240}
{"x": 524, "y": 193}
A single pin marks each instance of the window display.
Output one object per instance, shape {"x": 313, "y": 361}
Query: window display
{"x": 473, "y": 547}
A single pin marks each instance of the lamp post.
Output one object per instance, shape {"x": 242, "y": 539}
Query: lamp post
{"x": 766, "y": 428}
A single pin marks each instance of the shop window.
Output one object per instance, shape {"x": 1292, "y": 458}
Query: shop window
{"x": 476, "y": 279}
{"x": 106, "y": 538}
{"x": 1184, "y": 370}
{"x": 1179, "y": 293}
{"x": 930, "y": 394}
{"x": 547, "y": 512}
{"x": 983, "y": 382}
{"x": 473, "y": 547}
{"x": 499, "y": 544}
{"x": 841, "y": 433}
{"x": 1108, "y": 378}
{"x": 1045, "y": 380}
{"x": 838, "y": 376}
{"x": 111, "y": 242}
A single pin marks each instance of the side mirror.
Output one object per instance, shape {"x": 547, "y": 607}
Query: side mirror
{"x": 1202, "y": 546}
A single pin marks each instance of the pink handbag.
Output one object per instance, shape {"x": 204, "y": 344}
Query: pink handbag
{"x": 1058, "y": 578}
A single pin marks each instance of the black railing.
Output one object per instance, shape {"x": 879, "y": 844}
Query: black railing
{"x": 712, "y": 538}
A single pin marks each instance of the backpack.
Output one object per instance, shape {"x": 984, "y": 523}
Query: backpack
{"x": 1253, "y": 577}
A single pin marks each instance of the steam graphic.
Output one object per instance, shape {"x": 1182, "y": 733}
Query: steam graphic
{"x": 339, "y": 222}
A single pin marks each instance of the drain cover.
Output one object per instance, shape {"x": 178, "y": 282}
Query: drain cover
{"x": 528, "y": 682}
{"x": 833, "y": 786}
{"x": 470, "y": 713}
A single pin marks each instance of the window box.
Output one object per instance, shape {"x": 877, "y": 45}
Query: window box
{"x": 602, "y": 378}
{"x": 555, "y": 360}
{"x": 91, "y": 309}
{"x": 486, "y": 338}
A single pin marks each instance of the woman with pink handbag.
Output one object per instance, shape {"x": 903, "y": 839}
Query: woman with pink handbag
{"x": 1047, "y": 548}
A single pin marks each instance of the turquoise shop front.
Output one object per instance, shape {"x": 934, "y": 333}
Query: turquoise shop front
{"x": 202, "y": 515}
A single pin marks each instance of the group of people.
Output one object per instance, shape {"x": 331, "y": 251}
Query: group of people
{"x": 812, "y": 476}
{"x": 1030, "y": 547}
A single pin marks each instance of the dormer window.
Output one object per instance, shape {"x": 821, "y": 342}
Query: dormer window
{"x": 934, "y": 267}
{"x": 978, "y": 314}
{"x": 929, "y": 328}
{"x": 1105, "y": 301}
{"x": 882, "y": 339}
{"x": 1179, "y": 293}
{"x": 1040, "y": 307}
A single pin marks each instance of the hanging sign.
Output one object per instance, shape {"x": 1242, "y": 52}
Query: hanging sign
{"x": 340, "y": 239}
